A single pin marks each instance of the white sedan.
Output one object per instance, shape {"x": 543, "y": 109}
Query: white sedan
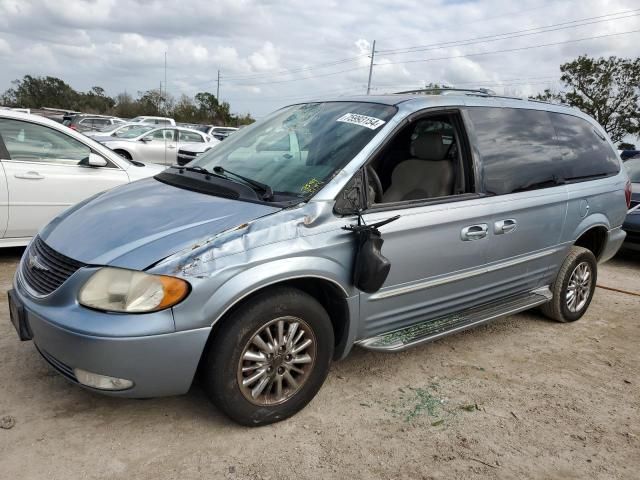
{"x": 160, "y": 145}
{"x": 46, "y": 167}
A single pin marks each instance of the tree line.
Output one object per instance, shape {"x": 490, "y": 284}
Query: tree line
{"x": 608, "y": 89}
{"x": 38, "y": 92}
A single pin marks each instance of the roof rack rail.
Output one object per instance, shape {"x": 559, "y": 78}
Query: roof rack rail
{"x": 545, "y": 101}
{"x": 474, "y": 91}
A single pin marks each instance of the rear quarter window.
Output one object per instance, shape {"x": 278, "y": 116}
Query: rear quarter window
{"x": 517, "y": 148}
{"x": 584, "y": 151}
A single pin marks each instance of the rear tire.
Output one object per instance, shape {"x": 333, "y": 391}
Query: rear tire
{"x": 573, "y": 287}
{"x": 259, "y": 340}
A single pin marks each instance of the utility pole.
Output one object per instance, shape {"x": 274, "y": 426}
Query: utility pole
{"x": 218, "y": 88}
{"x": 165, "y": 80}
{"x": 373, "y": 53}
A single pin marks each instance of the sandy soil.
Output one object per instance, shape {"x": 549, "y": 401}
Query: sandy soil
{"x": 520, "y": 398}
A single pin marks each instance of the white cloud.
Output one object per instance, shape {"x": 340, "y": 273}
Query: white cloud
{"x": 5, "y": 48}
{"x": 120, "y": 44}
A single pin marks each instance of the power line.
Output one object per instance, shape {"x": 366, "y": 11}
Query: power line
{"x": 513, "y": 13}
{"x": 302, "y": 78}
{"x": 289, "y": 71}
{"x": 488, "y": 80}
{"x": 506, "y": 50}
{"x": 515, "y": 34}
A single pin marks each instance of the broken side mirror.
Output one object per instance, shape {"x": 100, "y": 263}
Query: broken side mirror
{"x": 352, "y": 199}
{"x": 371, "y": 268}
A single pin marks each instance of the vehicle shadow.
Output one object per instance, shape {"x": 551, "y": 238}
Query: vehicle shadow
{"x": 627, "y": 257}
{"x": 11, "y": 254}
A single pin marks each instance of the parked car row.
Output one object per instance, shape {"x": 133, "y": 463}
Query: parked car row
{"x": 158, "y": 145}
{"x": 87, "y": 122}
{"x": 218, "y": 132}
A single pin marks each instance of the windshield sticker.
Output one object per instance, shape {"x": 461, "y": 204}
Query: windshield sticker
{"x": 370, "y": 122}
{"x": 312, "y": 186}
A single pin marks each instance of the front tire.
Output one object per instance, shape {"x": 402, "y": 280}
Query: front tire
{"x": 270, "y": 357}
{"x": 574, "y": 286}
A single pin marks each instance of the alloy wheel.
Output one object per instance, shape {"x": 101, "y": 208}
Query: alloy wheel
{"x": 277, "y": 361}
{"x": 579, "y": 287}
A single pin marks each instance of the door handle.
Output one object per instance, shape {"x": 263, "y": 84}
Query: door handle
{"x": 171, "y": 147}
{"x": 504, "y": 226}
{"x": 29, "y": 175}
{"x": 474, "y": 232}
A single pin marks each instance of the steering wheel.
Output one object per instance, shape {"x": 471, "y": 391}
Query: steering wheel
{"x": 374, "y": 184}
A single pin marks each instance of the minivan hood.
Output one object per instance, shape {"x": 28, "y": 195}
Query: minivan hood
{"x": 136, "y": 225}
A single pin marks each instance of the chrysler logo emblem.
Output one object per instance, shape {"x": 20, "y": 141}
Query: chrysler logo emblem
{"x": 36, "y": 264}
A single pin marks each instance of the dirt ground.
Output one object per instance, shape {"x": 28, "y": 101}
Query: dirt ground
{"x": 520, "y": 398}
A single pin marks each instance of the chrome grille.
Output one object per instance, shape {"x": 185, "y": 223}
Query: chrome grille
{"x": 44, "y": 270}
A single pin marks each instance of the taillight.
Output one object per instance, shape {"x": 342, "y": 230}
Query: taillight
{"x": 627, "y": 193}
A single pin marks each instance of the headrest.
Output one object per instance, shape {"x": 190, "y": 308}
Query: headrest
{"x": 429, "y": 146}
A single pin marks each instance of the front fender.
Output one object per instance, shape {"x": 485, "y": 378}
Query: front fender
{"x": 261, "y": 276}
{"x": 205, "y": 309}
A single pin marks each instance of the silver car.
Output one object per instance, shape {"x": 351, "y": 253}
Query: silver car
{"x": 383, "y": 222}
{"x": 119, "y": 131}
{"x": 159, "y": 145}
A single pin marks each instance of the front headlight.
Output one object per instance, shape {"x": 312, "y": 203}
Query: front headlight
{"x": 131, "y": 291}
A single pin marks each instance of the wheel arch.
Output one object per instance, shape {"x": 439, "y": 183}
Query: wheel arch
{"x": 327, "y": 282}
{"x": 120, "y": 149}
{"x": 328, "y": 293}
{"x": 592, "y": 234}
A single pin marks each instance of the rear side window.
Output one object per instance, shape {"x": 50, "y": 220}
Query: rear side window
{"x": 517, "y": 147}
{"x": 100, "y": 122}
{"x": 190, "y": 137}
{"x": 29, "y": 142}
{"x": 584, "y": 151}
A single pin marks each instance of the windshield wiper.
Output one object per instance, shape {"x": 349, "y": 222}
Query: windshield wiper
{"x": 263, "y": 187}
{"x": 195, "y": 168}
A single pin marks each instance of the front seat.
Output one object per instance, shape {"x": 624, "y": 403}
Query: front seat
{"x": 428, "y": 174}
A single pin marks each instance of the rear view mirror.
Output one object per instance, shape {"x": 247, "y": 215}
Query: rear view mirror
{"x": 146, "y": 139}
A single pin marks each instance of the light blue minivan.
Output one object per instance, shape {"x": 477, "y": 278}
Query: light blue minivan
{"x": 261, "y": 261}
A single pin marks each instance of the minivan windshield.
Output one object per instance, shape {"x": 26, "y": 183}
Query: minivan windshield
{"x": 298, "y": 149}
{"x": 633, "y": 169}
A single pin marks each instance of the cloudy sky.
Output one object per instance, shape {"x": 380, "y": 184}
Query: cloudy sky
{"x": 271, "y": 53}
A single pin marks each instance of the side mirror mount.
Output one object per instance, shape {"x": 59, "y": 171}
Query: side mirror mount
{"x": 352, "y": 199}
{"x": 94, "y": 160}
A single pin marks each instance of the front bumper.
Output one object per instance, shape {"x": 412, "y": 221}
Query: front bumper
{"x": 158, "y": 364}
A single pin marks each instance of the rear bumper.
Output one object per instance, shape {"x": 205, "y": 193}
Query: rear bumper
{"x": 615, "y": 238}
